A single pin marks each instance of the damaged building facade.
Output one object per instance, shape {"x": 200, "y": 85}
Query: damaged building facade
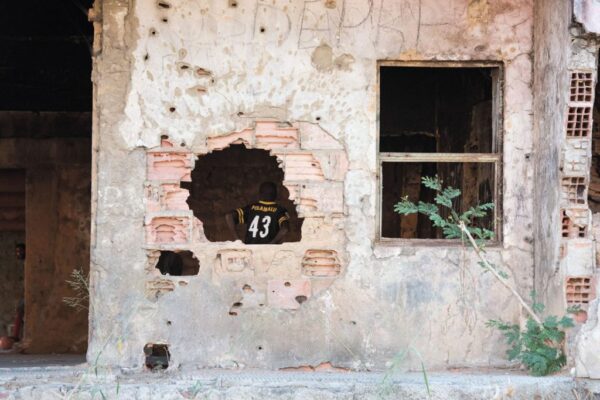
{"x": 345, "y": 105}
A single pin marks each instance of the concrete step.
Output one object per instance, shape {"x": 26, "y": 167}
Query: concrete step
{"x": 84, "y": 382}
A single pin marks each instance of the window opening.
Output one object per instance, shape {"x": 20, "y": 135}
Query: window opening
{"x": 437, "y": 120}
{"x": 226, "y": 181}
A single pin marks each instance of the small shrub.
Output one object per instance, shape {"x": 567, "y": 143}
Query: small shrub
{"x": 539, "y": 346}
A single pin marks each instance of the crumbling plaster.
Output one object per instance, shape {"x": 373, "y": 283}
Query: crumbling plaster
{"x": 195, "y": 70}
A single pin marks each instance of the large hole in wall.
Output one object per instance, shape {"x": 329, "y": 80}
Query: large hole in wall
{"x": 225, "y": 180}
{"x": 594, "y": 187}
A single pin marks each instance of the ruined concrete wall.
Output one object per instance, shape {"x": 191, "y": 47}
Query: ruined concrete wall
{"x": 57, "y": 237}
{"x": 551, "y": 82}
{"x": 211, "y": 74}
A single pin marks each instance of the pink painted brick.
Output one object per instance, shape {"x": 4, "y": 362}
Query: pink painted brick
{"x": 168, "y": 230}
{"x": 169, "y": 165}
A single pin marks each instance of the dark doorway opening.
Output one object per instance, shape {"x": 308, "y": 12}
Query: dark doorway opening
{"x": 45, "y": 134}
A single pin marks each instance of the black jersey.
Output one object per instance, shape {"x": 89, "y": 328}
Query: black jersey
{"x": 262, "y": 219}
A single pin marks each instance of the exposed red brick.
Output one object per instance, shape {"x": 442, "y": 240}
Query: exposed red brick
{"x": 271, "y": 135}
{"x": 321, "y": 263}
{"x": 570, "y": 229}
{"x": 245, "y": 137}
{"x": 574, "y": 190}
{"x": 173, "y": 197}
{"x": 582, "y": 87}
{"x": 579, "y": 121}
{"x": 168, "y": 230}
{"x": 169, "y": 166}
{"x": 301, "y": 166}
{"x": 580, "y": 290}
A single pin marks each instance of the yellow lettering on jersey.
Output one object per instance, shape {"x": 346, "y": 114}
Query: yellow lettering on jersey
{"x": 264, "y": 208}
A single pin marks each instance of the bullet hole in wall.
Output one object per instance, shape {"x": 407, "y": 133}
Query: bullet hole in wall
{"x": 233, "y": 3}
{"x": 172, "y": 109}
{"x": 318, "y": 118}
{"x": 178, "y": 263}
{"x": 228, "y": 179}
{"x": 146, "y": 57}
{"x": 165, "y": 19}
{"x": 301, "y": 299}
{"x": 262, "y": 29}
{"x": 153, "y": 32}
{"x": 163, "y": 4}
{"x": 157, "y": 356}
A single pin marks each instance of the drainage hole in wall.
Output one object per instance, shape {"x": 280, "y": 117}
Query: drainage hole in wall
{"x": 157, "y": 356}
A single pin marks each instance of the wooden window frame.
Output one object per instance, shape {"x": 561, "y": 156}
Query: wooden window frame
{"x": 495, "y": 157}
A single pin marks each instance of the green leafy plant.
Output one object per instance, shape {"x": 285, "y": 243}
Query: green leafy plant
{"x": 539, "y": 346}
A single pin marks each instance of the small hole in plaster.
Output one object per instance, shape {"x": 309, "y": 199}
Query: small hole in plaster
{"x": 233, "y": 313}
{"x": 318, "y": 118}
{"x": 262, "y": 29}
{"x": 146, "y": 57}
{"x": 164, "y": 4}
{"x": 172, "y": 109}
{"x": 165, "y": 20}
{"x": 301, "y": 299}
{"x": 237, "y": 305}
{"x": 201, "y": 72}
{"x": 261, "y": 305}
{"x": 259, "y": 347}
{"x": 164, "y": 137}
{"x": 157, "y": 356}
{"x": 287, "y": 284}
{"x": 169, "y": 323}
{"x": 233, "y": 3}
{"x": 182, "y": 144}
{"x": 153, "y": 32}
{"x": 247, "y": 289}
{"x": 184, "y": 66}
{"x": 240, "y": 113}
{"x": 353, "y": 322}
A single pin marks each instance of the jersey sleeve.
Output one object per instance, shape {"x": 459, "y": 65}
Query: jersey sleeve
{"x": 282, "y": 216}
{"x": 240, "y": 215}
